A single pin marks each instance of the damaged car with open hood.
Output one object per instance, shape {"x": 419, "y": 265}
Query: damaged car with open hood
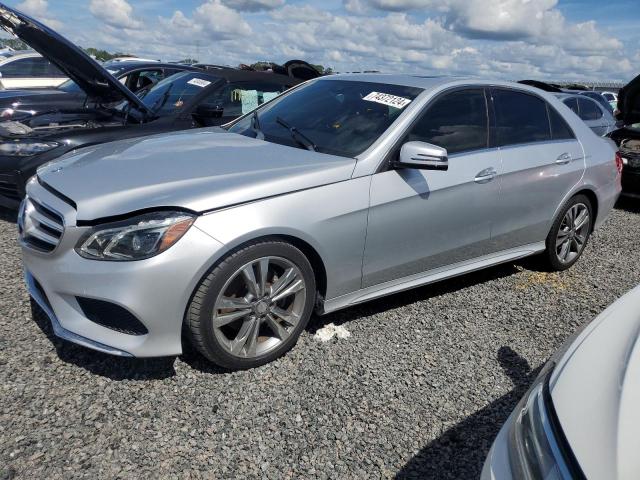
{"x": 188, "y": 99}
{"x": 628, "y": 137}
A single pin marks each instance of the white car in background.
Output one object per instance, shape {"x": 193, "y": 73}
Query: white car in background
{"x": 612, "y": 98}
{"x": 29, "y": 70}
{"x": 580, "y": 419}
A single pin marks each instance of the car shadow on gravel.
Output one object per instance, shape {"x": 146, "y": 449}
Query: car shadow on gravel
{"x": 381, "y": 305}
{"x": 461, "y": 450}
{"x": 631, "y": 205}
{"x": 109, "y": 366}
{"x": 8, "y": 215}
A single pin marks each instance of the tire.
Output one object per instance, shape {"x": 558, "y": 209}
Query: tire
{"x": 555, "y": 258}
{"x": 271, "y": 314}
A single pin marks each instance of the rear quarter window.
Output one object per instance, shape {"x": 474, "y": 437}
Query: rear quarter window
{"x": 520, "y": 118}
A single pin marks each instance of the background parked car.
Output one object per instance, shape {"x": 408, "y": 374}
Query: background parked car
{"x": 579, "y": 418}
{"x": 29, "y": 70}
{"x": 611, "y": 97}
{"x": 22, "y": 104}
{"x": 598, "y": 97}
{"x": 628, "y": 137}
{"x": 591, "y": 112}
{"x": 193, "y": 98}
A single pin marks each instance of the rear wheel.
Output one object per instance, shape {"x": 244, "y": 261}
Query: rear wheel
{"x": 569, "y": 234}
{"x": 253, "y": 306}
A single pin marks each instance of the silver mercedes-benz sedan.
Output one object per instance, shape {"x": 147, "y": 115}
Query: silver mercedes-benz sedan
{"x": 344, "y": 189}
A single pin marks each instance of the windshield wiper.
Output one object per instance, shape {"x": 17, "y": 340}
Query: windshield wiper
{"x": 255, "y": 125}
{"x": 299, "y": 137}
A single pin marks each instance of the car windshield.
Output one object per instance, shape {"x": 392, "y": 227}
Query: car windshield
{"x": 70, "y": 87}
{"x": 338, "y": 117}
{"x": 170, "y": 95}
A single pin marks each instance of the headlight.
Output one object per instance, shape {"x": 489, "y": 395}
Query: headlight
{"x": 135, "y": 239}
{"x": 26, "y": 149}
{"x": 534, "y": 451}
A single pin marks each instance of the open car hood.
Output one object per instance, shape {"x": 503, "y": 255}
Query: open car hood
{"x": 629, "y": 102}
{"x": 69, "y": 58}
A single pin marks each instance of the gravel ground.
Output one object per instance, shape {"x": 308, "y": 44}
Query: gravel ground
{"x": 419, "y": 389}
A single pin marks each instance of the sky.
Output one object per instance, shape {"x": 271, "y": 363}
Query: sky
{"x": 505, "y": 39}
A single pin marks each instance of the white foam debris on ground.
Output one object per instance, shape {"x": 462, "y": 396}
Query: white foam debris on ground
{"x": 330, "y": 331}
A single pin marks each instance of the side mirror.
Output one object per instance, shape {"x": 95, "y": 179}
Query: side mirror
{"x": 424, "y": 156}
{"x": 209, "y": 111}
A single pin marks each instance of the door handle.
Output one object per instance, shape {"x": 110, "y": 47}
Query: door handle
{"x": 563, "y": 159}
{"x": 486, "y": 175}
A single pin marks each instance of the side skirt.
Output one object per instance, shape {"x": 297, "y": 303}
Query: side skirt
{"x": 425, "y": 278}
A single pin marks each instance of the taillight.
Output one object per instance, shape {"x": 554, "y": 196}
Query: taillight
{"x": 619, "y": 162}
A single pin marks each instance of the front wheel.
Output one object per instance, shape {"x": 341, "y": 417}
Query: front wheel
{"x": 569, "y": 234}
{"x": 253, "y": 306}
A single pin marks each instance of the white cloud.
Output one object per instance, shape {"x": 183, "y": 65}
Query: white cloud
{"x": 39, "y": 9}
{"x": 254, "y": 5}
{"x": 210, "y": 21}
{"x": 116, "y": 13}
{"x": 491, "y": 38}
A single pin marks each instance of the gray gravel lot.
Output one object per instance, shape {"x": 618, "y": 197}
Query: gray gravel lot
{"x": 418, "y": 391}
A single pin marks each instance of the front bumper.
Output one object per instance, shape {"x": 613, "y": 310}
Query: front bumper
{"x": 155, "y": 292}
{"x": 497, "y": 466}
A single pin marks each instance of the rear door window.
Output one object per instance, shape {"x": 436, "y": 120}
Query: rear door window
{"x": 238, "y": 98}
{"x": 25, "y": 67}
{"x": 572, "y": 103}
{"x": 457, "y": 121}
{"x": 560, "y": 129}
{"x": 520, "y": 118}
{"x": 589, "y": 110}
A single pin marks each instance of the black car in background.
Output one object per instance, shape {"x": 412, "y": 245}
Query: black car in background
{"x": 628, "y": 137}
{"x": 187, "y": 99}
{"x": 135, "y": 75}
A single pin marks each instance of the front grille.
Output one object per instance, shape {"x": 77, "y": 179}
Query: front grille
{"x": 111, "y": 316}
{"x": 9, "y": 186}
{"x": 40, "y": 226}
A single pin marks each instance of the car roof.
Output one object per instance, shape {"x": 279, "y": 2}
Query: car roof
{"x": 237, "y": 75}
{"x": 124, "y": 66}
{"x": 19, "y": 54}
{"x": 433, "y": 82}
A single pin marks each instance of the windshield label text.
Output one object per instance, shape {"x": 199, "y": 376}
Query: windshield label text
{"x": 199, "y": 82}
{"x": 386, "y": 99}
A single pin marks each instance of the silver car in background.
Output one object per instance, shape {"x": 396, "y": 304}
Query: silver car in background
{"x": 580, "y": 417}
{"x": 344, "y": 189}
{"x": 597, "y": 118}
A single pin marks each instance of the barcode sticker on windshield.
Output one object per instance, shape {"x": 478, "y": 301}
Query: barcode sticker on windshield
{"x": 199, "y": 82}
{"x": 386, "y": 99}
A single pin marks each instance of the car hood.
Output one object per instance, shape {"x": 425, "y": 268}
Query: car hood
{"x": 72, "y": 60}
{"x": 198, "y": 170}
{"x": 595, "y": 389}
{"x": 629, "y": 102}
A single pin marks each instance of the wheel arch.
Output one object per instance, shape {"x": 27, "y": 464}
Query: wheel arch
{"x": 311, "y": 252}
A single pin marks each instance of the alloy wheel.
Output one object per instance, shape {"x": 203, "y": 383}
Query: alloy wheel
{"x": 573, "y": 233}
{"x": 259, "y": 307}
